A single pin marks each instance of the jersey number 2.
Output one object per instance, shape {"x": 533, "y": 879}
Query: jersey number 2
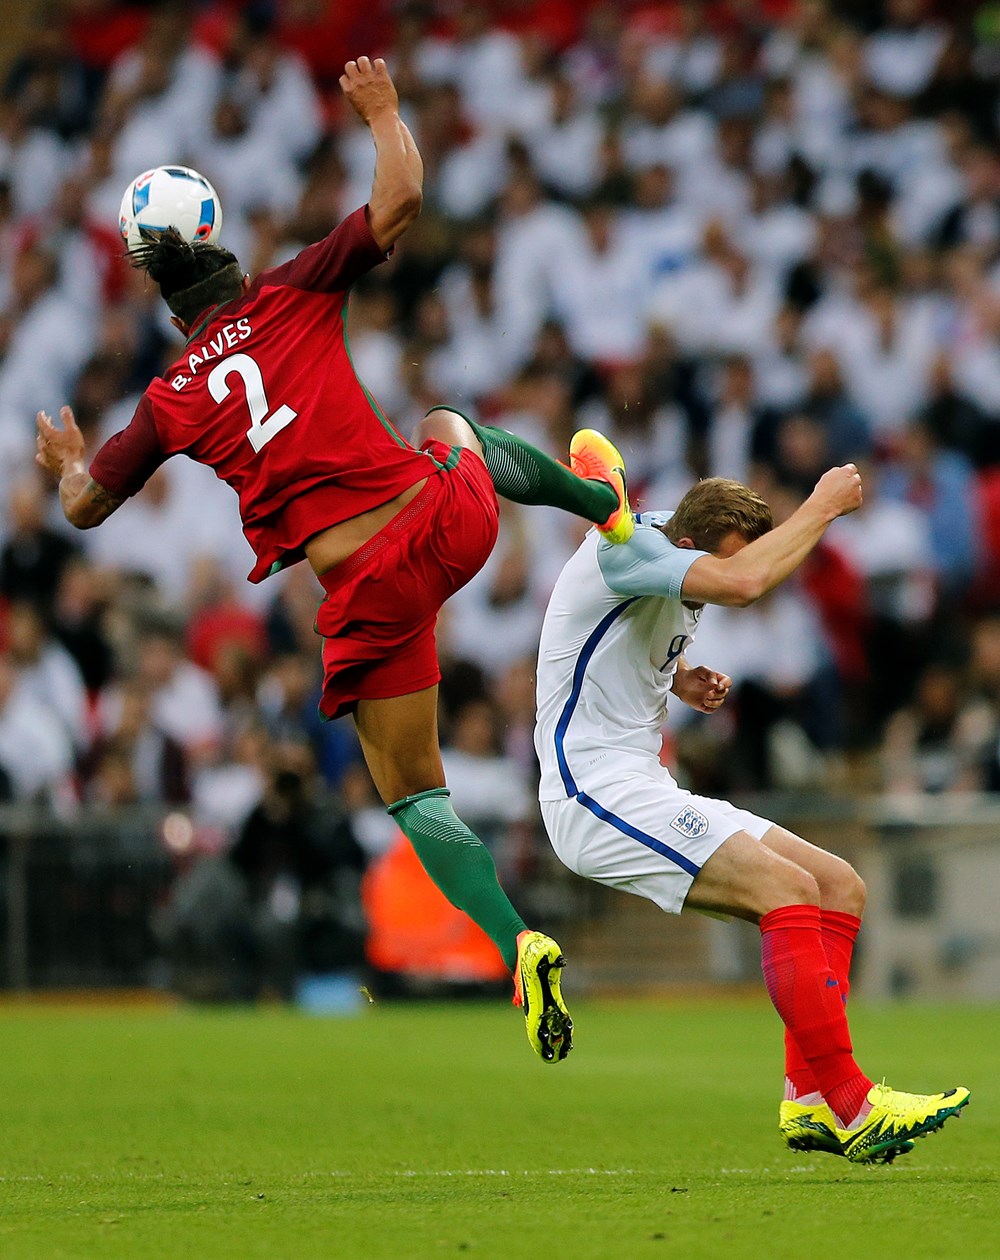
{"x": 263, "y": 427}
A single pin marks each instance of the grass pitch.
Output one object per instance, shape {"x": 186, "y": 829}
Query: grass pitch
{"x": 426, "y": 1131}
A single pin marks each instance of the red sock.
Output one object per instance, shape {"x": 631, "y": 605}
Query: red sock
{"x": 839, "y": 932}
{"x": 806, "y": 994}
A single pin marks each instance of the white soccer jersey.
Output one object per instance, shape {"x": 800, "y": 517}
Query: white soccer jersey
{"x": 607, "y": 657}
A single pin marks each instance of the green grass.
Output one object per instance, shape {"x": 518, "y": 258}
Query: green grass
{"x": 426, "y": 1131}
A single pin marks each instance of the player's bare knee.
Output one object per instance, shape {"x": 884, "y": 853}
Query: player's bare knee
{"x": 793, "y": 886}
{"x": 441, "y": 424}
{"x": 841, "y": 887}
{"x": 853, "y": 894}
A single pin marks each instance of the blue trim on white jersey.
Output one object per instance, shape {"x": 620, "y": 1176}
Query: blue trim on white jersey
{"x": 582, "y": 661}
{"x": 643, "y": 837}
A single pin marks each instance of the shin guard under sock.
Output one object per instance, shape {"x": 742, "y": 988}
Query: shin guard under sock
{"x": 839, "y": 931}
{"x": 806, "y": 994}
{"x": 460, "y": 865}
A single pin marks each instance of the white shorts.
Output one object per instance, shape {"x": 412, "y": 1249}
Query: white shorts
{"x": 644, "y": 834}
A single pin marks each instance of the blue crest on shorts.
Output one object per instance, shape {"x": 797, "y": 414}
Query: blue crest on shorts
{"x": 690, "y": 823}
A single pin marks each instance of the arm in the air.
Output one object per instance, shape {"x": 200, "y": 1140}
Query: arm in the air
{"x": 765, "y": 563}
{"x": 120, "y": 468}
{"x": 397, "y": 189}
{"x": 85, "y": 503}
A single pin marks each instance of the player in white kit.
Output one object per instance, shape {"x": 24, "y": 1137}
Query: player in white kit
{"x": 612, "y": 650}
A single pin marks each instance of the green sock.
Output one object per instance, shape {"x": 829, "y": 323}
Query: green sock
{"x": 460, "y": 864}
{"x": 524, "y": 474}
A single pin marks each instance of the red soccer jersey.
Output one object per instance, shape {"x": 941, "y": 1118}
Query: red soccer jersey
{"x": 266, "y": 395}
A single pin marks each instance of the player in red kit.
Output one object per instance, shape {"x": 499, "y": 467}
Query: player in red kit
{"x": 265, "y": 394}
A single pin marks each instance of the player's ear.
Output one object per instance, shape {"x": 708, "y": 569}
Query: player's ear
{"x": 686, "y": 543}
{"x": 245, "y": 286}
{"x": 180, "y": 325}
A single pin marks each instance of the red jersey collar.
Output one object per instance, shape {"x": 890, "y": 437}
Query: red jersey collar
{"x": 199, "y": 325}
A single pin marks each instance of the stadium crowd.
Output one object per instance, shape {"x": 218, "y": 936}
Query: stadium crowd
{"x": 748, "y": 240}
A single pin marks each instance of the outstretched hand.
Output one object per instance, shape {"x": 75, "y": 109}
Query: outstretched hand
{"x": 369, "y": 87}
{"x": 702, "y": 688}
{"x": 56, "y": 449}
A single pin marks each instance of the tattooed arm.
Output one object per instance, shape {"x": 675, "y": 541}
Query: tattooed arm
{"x": 120, "y": 468}
{"x": 61, "y": 451}
{"x": 84, "y": 502}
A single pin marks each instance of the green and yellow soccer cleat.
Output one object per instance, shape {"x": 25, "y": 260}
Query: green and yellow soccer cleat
{"x": 536, "y": 990}
{"x": 808, "y": 1127}
{"x": 895, "y": 1119}
{"x": 813, "y": 1127}
{"x": 593, "y": 457}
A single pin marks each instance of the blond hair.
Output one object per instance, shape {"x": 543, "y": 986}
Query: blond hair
{"x": 716, "y": 507}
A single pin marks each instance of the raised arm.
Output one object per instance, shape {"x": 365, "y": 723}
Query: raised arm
{"x": 397, "y": 190}
{"x": 762, "y": 565}
{"x": 84, "y": 502}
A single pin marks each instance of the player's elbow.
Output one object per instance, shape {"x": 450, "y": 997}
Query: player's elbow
{"x": 390, "y": 216}
{"x": 744, "y": 589}
{"x": 80, "y": 516}
{"x": 84, "y": 513}
{"x": 409, "y": 203}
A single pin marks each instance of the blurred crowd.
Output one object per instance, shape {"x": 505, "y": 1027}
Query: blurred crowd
{"x": 749, "y": 240}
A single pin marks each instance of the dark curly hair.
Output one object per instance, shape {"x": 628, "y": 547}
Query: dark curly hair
{"x": 191, "y": 276}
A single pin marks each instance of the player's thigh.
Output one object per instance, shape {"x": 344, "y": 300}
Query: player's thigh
{"x": 447, "y": 426}
{"x": 605, "y": 847}
{"x": 745, "y": 878}
{"x": 840, "y": 886}
{"x": 399, "y": 739}
{"x": 640, "y": 833}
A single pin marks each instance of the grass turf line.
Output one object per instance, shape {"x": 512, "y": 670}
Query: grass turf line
{"x": 422, "y": 1131}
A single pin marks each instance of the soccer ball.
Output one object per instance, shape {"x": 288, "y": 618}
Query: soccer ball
{"x": 170, "y": 196}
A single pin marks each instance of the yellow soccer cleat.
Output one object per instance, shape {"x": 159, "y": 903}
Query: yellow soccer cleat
{"x": 536, "y": 990}
{"x": 813, "y": 1127}
{"x": 808, "y": 1127}
{"x": 594, "y": 458}
{"x": 895, "y": 1118}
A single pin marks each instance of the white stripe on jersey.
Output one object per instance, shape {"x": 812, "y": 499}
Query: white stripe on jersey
{"x": 605, "y": 664}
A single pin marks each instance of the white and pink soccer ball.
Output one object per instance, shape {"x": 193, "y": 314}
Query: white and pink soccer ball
{"x": 170, "y": 196}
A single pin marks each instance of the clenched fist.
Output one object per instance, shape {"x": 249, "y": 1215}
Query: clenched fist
{"x": 838, "y": 492}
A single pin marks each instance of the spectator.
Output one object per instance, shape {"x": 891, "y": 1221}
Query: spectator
{"x": 301, "y": 868}
{"x": 34, "y": 557}
{"x": 36, "y": 754}
{"x": 902, "y": 55}
{"x": 43, "y": 344}
{"x": 183, "y": 699}
{"x": 936, "y": 743}
{"x": 940, "y": 483}
{"x": 31, "y": 158}
{"x": 133, "y": 760}
{"x": 599, "y": 293}
{"x": 158, "y": 95}
{"x": 48, "y": 675}
{"x": 48, "y": 82}
{"x": 985, "y": 671}
{"x": 78, "y": 615}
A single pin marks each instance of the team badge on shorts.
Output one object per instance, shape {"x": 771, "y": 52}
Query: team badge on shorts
{"x": 690, "y": 823}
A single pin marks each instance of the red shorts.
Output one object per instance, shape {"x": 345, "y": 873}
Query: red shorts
{"x": 382, "y": 602}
